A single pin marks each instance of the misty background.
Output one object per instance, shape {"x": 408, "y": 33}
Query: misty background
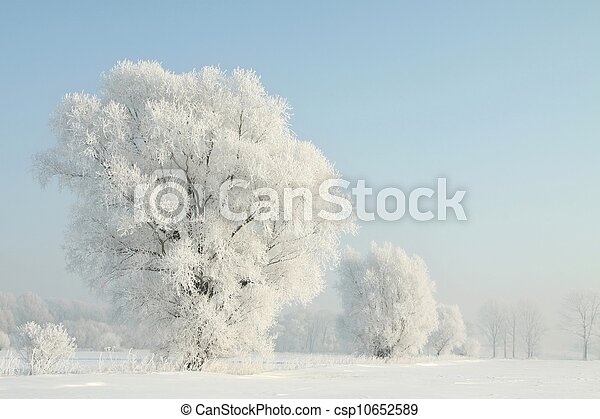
{"x": 502, "y": 99}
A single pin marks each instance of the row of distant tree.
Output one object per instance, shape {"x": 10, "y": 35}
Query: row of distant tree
{"x": 365, "y": 326}
{"x": 389, "y": 311}
{"x": 506, "y": 325}
{"x": 309, "y": 330}
{"x": 91, "y": 325}
{"x": 299, "y": 329}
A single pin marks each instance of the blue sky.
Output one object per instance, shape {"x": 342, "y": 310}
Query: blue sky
{"x": 503, "y": 98}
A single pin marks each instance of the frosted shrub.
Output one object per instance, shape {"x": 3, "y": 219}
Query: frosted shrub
{"x": 451, "y": 331}
{"x": 45, "y": 348}
{"x": 4, "y": 341}
{"x": 469, "y": 348}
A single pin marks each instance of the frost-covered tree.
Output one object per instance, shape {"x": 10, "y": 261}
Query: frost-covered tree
{"x": 388, "y": 302}
{"x": 512, "y": 319}
{"x": 492, "y": 321}
{"x": 505, "y": 329}
{"x": 44, "y": 348}
{"x": 4, "y": 341}
{"x": 532, "y": 327}
{"x": 192, "y": 146}
{"x": 581, "y": 316}
{"x": 451, "y": 331}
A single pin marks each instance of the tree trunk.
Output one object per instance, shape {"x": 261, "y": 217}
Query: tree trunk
{"x": 383, "y": 352}
{"x": 513, "y": 340}
{"x": 194, "y": 364}
{"x": 195, "y": 361}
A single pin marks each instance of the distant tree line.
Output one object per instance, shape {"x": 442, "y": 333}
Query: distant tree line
{"x": 507, "y": 327}
{"x": 91, "y": 325}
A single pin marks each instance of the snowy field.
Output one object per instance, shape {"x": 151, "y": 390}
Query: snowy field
{"x": 311, "y": 376}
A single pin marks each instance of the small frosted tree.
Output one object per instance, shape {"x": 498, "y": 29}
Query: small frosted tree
{"x": 532, "y": 327}
{"x": 388, "y": 302}
{"x": 44, "y": 348}
{"x": 492, "y": 321}
{"x": 450, "y": 332}
{"x": 505, "y": 329}
{"x": 581, "y": 316}
{"x": 512, "y": 319}
{"x": 155, "y": 160}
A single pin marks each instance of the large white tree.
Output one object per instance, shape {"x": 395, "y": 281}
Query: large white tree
{"x": 451, "y": 331}
{"x": 388, "y": 302}
{"x": 206, "y": 285}
{"x": 581, "y": 313}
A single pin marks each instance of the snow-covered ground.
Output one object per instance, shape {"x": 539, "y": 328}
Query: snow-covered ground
{"x": 306, "y": 376}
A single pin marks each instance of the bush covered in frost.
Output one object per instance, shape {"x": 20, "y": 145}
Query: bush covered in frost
{"x": 44, "y": 349}
{"x": 470, "y": 348}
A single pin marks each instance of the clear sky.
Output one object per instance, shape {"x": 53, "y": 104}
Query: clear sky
{"x": 502, "y": 98}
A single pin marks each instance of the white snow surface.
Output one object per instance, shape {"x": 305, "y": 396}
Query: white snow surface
{"x": 308, "y": 376}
